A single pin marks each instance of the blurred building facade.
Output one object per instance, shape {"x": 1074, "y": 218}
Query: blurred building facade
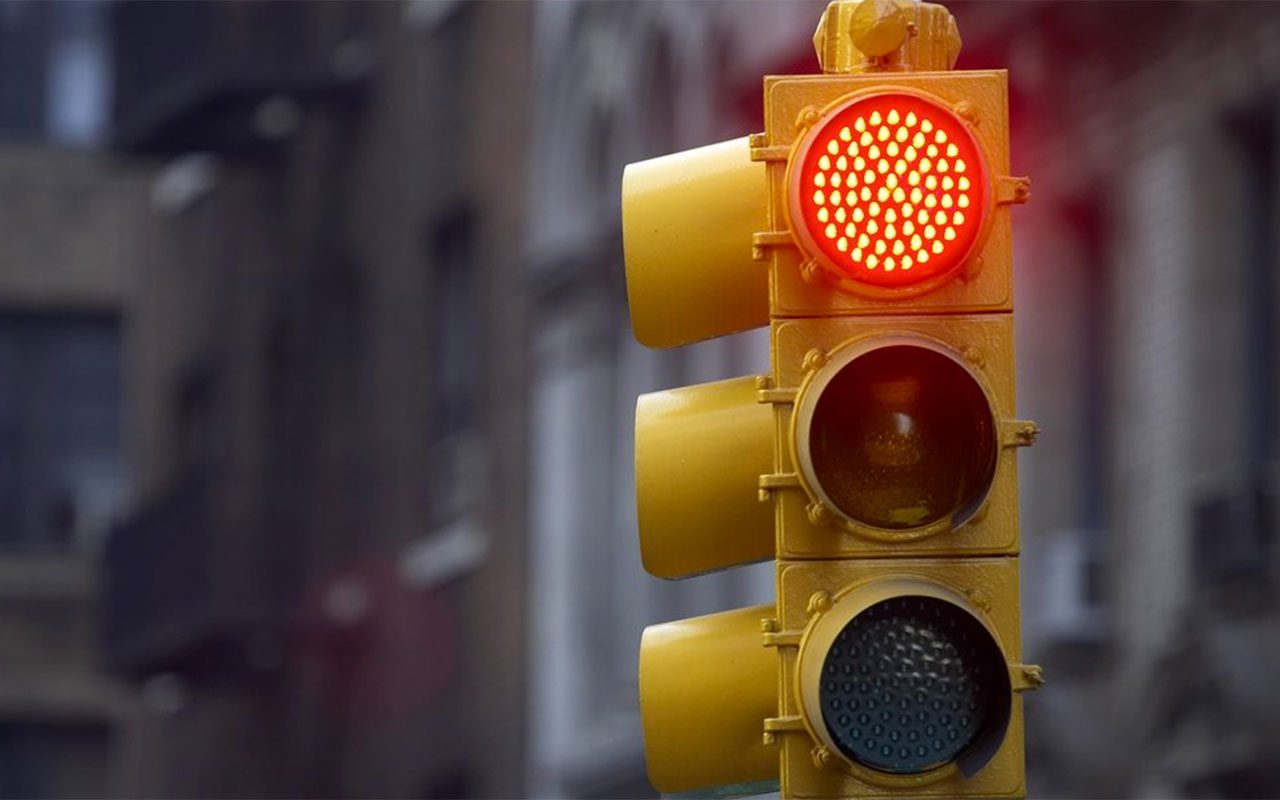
{"x": 381, "y": 383}
{"x": 64, "y": 287}
{"x": 320, "y": 589}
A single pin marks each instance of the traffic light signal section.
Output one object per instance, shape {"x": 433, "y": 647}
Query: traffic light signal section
{"x": 869, "y": 227}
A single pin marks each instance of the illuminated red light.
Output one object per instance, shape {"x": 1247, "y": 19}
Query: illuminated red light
{"x": 889, "y": 190}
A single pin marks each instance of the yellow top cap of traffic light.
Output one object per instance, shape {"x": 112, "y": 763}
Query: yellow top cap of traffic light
{"x": 886, "y": 36}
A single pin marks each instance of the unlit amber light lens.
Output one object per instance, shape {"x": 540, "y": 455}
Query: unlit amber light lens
{"x": 891, "y": 190}
{"x": 903, "y": 437}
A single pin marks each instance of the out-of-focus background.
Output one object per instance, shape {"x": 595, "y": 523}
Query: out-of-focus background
{"x": 317, "y": 385}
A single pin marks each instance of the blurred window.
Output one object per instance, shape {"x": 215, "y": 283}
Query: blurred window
{"x": 60, "y": 470}
{"x": 455, "y": 355}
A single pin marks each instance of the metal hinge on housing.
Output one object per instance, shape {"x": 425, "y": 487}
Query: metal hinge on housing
{"x": 1018, "y": 433}
{"x": 763, "y": 240}
{"x": 761, "y": 150}
{"x": 1010, "y": 189}
{"x": 782, "y": 480}
{"x": 775, "y": 725}
{"x": 1026, "y": 677}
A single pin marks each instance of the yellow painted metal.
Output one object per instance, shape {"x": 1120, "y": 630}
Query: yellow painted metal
{"x": 706, "y": 686}
{"x": 700, "y": 452}
{"x": 794, "y": 104}
{"x": 886, "y": 35}
{"x": 815, "y": 599}
{"x": 687, "y": 223}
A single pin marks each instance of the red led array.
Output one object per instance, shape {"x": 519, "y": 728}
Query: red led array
{"x": 890, "y": 190}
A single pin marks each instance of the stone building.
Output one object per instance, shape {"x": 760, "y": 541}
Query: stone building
{"x": 320, "y": 588}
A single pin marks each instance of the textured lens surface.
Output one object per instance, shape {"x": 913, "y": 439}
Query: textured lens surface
{"x": 891, "y": 190}
{"x": 903, "y": 437}
{"x": 910, "y": 684}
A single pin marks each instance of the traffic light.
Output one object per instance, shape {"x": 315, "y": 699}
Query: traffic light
{"x": 869, "y": 227}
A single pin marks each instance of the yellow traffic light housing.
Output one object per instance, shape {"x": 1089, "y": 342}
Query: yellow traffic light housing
{"x": 868, "y": 225}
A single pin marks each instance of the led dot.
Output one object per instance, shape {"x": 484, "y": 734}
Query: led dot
{"x": 840, "y": 215}
{"x": 891, "y": 181}
{"x": 925, "y": 166}
{"x": 850, "y": 179}
{"x": 899, "y": 247}
{"x": 940, "y": 218}
{"x": 890, "y": 232}
{"x": 900, "y": 167}
{"x": 873, "y": 227}
{"x": 916, "y": 194}
{"x": 824, "y": 163}
{"x": 860, "y": 124}
{"x": 910, "y": 153}
{"x": 931, "y": 182}
{"x": 963, "y": 202}
{"x": 890, "y": 215}
{"x": 888, "y": 265}
{"x": 891, "y": 149}
{"x": 834, "y": 197}
{"x": 949, "y": 234}
{"x": 820, "y": 179}
{"x": 893, "y": 117}
{"x": 922, "y": 257}
{"x": 832, "y": 147}
{"x": 922, "y": 217}
{"x": 917, "y": 141}
{"x": 882, "y": 194}
{"x": 947, "y": 202}
{"x": 943, "y": 166}
{"x": 914, "y": 178}
{"x": 872, "y": 261}
{"x": 882, "y": 166}
{"x": 869, "y": 176}
{"x": 824, "y": 215}
{"x": 937, "y": 247}
{"x": 842, "y": 244}
{"x": 846, "y": 134}
{"x": 931, "y": 151}
{"x": 875, "y": 118}
{"x": 911, "y": 118}
{"x": 818, "y": 197}
{"x": 926, "y": 125}
{"x": 864, "y": 241}
{"x": 865, "y": 139}
{"x": 907, "y": 263}
{"x": 874, "y": 209}
{"x": 957, "y": 218}
{"x": 849, "y": 198}
{"x": 963, "y": 183}
{"x": 916, "y": 242}
{"x": 940, "y": 136}
{"x": 873, "y": 152}
{"x": 859, "y": 214}
{"x": 960, "y": 167}
{"x": 899, "y": 194}
{"x": 830, "y": 231}
{"x": 859, "y": 163}
{"x": 865, "y": 193}
{"x": 930, "y": 231}
{"x": 902, "y": 134}
{"x": 908, "y": 227}
{"x": 883, "y": 134}
{"x": 930, "y": 200}
{"x": 881, "y": 247}
{"x": 856, "y": 255}
{"x": 850, "y": 230}
{"x": 836, "y": 180}
{"x": 842, "y": 163}
{"x": 952, "y": 150}
{"x": 852, "y": 149}
{"x": 948, "y": 183}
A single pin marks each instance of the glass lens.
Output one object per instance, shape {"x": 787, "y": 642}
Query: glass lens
{"x": 903, "y": 437}
{"x": 910, "y": 683}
